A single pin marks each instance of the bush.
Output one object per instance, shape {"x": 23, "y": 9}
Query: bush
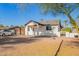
{"x": 66, "y": 29}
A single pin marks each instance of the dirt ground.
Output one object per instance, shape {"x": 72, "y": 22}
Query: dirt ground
{"x": 46, "y": 46}
{"x": 31, "y": 47}
{"x": 70, "y": 47}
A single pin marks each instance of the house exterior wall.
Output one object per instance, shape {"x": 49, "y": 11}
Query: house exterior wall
{"x": 41, "y": 30}
{"x": 26, "y": 30}
{"x": 55, "y": 29}
{"x": 22, "y": 31}
{"x": 31, "y": 32}
{"x": 52, "y": 32}
{"x": 28, "y": 33}
{"x": 17, "y": 31}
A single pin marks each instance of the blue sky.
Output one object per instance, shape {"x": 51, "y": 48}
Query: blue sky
{"x": 12, "y": 14}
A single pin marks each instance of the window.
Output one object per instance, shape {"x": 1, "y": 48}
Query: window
{"x": 28, "y": 28}
{"x": 48, "y": 27}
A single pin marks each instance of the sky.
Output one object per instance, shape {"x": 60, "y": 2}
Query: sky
{"x": 13, "y": 14}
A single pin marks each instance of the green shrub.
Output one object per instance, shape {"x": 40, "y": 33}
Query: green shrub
{"x": 66, "y": 29}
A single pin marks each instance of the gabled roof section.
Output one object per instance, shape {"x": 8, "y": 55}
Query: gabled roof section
{"x": 34, "y": 22}
{"x": 14, "y": 27}
{"x": 45, "y": 22}
{"x": 51, "y": 22}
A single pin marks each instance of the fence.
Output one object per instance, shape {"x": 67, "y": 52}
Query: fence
{"x": 46, "y": 33}
{"x": 72, "y": 35}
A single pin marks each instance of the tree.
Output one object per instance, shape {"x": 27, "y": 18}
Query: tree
{"x": 22, "y": 26}
{"x": 61, "y": 8}
{"x": 65, "y": 22}
{"x": 1, "y": 25}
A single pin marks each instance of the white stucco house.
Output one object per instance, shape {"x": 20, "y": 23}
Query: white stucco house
{"x": 43, "y": 28}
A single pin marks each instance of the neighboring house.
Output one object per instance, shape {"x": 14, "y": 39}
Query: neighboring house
{"x": 2, "y": 28}
{"x": 42, "y": 28}
{"x": 18, "y": 30}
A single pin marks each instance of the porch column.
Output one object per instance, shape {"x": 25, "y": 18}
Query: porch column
{"x": 37, "y": 30}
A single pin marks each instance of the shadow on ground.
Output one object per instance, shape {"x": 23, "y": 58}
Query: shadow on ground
{"x": 73, "y": 43}
{"x": 41, "y": 37}
{"x": 8, "y": 40}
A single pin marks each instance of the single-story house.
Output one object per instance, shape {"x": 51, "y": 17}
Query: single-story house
{"x": 43, "y": 28}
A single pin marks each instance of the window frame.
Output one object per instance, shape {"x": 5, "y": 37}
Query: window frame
{"x": 48, "y": 27}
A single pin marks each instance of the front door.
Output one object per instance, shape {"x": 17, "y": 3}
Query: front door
{"x": 30, "y": 31}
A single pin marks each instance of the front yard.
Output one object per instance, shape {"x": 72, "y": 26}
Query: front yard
{"x": 70, "y": 47}
{"x": 33, "y": 47}
{"x": 46, "y": 46}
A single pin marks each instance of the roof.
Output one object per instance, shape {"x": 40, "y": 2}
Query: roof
{"x": 45, "y": 22}
{"x": 2, "y": 28}
{"x": 51, "y": 22}
{"x": 33, "y": 21}
{"x": 14, "y": 27}
{"x": 9, "y": 28}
